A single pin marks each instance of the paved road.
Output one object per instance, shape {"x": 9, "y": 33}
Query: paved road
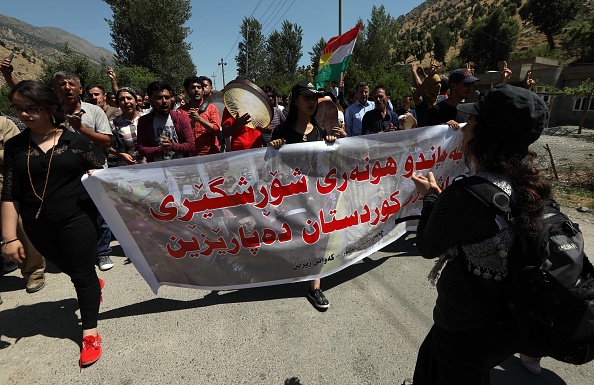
{"x": 380, "y": 312}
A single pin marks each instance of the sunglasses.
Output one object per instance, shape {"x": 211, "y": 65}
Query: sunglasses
{"x": 31, "y": 111}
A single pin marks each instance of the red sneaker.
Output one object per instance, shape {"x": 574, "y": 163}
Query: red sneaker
{"x": 101, "y": 285}
{"x": 91, "y": 350}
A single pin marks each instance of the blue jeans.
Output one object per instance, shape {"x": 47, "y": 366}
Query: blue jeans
{"x": 103, "y": 237}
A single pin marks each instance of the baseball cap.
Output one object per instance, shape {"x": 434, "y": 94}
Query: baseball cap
{"x": 462, "y": 75}
{"x": 306, "y": 88}
{"x": 514, "y": 115}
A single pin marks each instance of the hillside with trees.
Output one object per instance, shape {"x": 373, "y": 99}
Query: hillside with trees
{"x": 449, "y": 32}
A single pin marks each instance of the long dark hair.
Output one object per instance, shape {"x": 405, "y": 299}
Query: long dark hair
{"x": 494, "y": 152}
{"x": 291, "y": 120}
{"x": 42, "y": 95}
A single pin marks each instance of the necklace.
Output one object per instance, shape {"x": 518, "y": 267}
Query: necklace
{"x": 42, "y": 197}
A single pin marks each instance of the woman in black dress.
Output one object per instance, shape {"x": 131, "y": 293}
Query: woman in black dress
{"x": 43, "y": 168}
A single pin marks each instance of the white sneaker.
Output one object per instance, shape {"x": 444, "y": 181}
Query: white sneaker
{"x": 532, "y": 364}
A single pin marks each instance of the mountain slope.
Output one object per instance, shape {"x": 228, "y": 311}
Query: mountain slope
{"x": 33, "y": 46}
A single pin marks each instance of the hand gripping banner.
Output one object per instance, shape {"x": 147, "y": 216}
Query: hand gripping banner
{"x": 265, "y": 216}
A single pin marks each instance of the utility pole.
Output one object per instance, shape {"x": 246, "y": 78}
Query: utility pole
{"x": 214, "y": 80}
{"x": 247, "y": 51}
{"x": 223, "y": 64}
{"x": 340, "y": 17}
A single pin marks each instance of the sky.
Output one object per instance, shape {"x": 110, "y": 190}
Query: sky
{"x": 214, "y": 24}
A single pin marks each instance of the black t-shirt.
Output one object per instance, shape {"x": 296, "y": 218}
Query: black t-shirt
{"x": 443, "y": 112}
{"x": 72, "y": 157}
{"x": 284, "y": 131}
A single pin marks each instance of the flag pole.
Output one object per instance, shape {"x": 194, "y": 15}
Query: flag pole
{"x": 339, "y": 17}
{"x": 340, "y": 33}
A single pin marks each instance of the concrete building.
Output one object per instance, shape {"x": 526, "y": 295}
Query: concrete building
{"x": 565, "y": 110}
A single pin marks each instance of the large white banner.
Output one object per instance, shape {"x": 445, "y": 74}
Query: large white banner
{"x": 265, "y": 216}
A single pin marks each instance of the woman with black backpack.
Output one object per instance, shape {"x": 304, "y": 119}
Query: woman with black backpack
{"x": 470, "y": 334}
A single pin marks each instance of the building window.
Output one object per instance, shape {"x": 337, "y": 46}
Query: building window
{"x": 579, "y": 104}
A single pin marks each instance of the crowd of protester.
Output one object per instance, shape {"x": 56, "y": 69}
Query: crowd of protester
{"x": 77, "y": 129}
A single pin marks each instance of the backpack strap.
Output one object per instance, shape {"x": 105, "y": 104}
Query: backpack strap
{"x": 487, "y": 193}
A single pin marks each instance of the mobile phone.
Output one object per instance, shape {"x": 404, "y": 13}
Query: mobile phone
{"x": 11, "y": 56}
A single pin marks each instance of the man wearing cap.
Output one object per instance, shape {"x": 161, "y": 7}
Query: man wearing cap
{"x": 445, "y": 112}
{"x": 427, "y": 91}
{"x": 353, "y": 118}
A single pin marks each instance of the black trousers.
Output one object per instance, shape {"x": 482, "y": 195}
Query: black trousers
{"x": 69, "y": 240}
{"x": 462, "y": 357}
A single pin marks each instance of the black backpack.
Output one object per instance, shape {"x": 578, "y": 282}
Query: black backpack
{"x": 550, "y": 285}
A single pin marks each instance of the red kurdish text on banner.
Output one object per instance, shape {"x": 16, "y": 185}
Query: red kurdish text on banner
{"x": 265, "y": 216}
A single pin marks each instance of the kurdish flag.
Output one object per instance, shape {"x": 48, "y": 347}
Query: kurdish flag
{"x": 336, "y": 56}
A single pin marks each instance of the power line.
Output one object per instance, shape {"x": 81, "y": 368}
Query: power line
{"x": 257, "y": 5}
{"x": 239, "y": 34}
{"x": 269, "y": 8}
{"x": 269, "y": 16}
{"x": 283, "y": 15}
{"x": 274, "y": 16}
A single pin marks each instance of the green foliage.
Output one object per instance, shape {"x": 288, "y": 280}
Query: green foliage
{"x": 4, "y": 101}
{"x": 549, "y": 17}
{"x": 135, "y": 77}
{"x": 577, "y": 41}
{"x": 396, "y": 80}
{"x": 274, "y": 49}
{"x": 540, "y": 50}
{"x": 586, "y": 89}
{"x": 455, "y": 63}
{"x": 77, "y": 64}
{"x": 151, "y": 34}
{"x": 490, "y": 40}
{"x": 284, "y": 52}
{"x": 251, "y": 56}
{"x": 315, "y": 53}
{"x": 376, "y": 41}
{"x": 291, "y": 40}
{"x": 442, "y": 40}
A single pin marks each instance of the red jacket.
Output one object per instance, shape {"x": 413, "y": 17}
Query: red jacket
{"x": 147, "y": 146}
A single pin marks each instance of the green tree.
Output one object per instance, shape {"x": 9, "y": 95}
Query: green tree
{"x": 251, "y": 55}
{"x": 377, "y": 40}
{"x": 315, "y": 53}
{"x": 135, "y": 77}
{"x": 549, "y": 17}
{"x": 284, "y": 52}
{"x": 402, "y": 51}
{"x": 274, "y": 48}
{"x": 442, "y": 40}
{"x": 77, "y": 64}
{"x": 577, "y": 41}
{"x": 291, "y": 39}
{"x": 151, "y": 34}
{"x": 490, "y": 40}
